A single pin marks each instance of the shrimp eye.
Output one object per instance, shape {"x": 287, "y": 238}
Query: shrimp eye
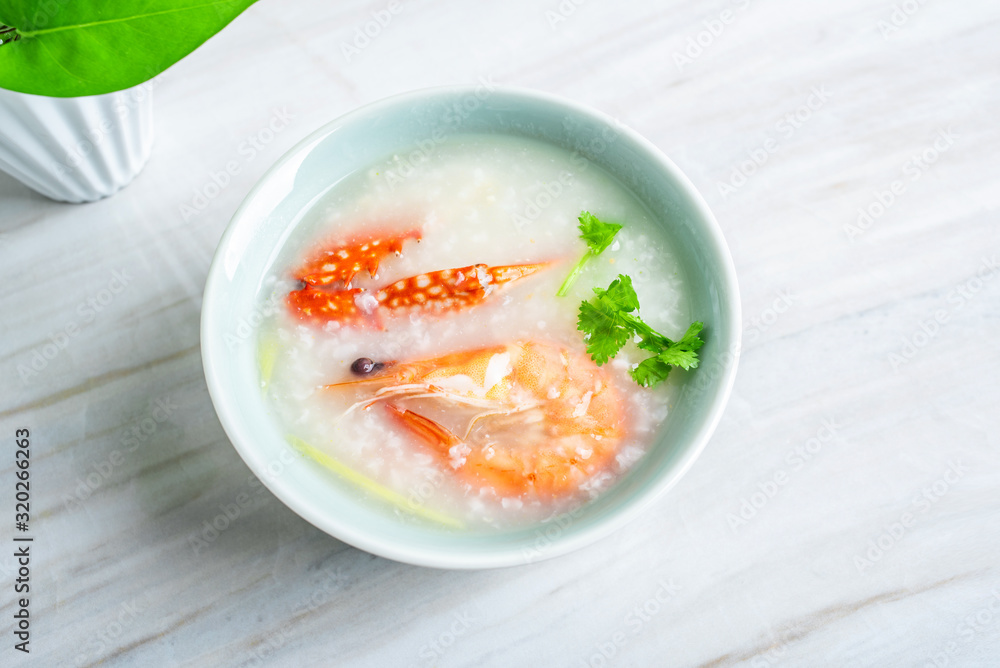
{"x": 364, "y": 366}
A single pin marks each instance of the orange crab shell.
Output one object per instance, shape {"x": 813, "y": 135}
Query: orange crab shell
{"x": 322, "y": 306}
{"x": 438, "y": 291}
{"x": 452, "y": 289}
{"x": 341, "y": 262}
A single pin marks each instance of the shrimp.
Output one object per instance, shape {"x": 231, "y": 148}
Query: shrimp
{"x": 542, "y": 419}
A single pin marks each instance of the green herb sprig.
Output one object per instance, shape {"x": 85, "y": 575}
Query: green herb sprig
{"x": 611, "y": 319}
{"x": 598, "y": 236}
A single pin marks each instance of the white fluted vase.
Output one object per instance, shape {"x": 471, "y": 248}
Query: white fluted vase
{"x": 76, "y": 149}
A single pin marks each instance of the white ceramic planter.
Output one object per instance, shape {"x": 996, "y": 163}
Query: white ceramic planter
{"x": 76, "y": 149}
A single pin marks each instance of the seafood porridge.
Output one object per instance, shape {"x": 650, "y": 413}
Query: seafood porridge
{"x": 420, "y": 352}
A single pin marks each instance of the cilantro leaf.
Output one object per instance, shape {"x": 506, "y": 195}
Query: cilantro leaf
{"x": 612, "y": 318}
{"x": 607, "y": 331}
{"x": 598, "y": 235}
{"x": 621, "y": 294}
{"x": 686, "y": 359}
{"x": 654, "y": 343}
{"x": 650, "y": 372}
{"x": 689, "y": 344}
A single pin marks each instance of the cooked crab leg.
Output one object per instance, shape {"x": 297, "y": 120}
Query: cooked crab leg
{"x": 438, "y": 291}
{"x": 363, "y": 251}
{"x": 323, "y": 306}
{"x": 452, "y": 289}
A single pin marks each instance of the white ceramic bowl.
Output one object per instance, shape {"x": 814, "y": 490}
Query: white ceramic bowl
{"x": 232, "y": 308}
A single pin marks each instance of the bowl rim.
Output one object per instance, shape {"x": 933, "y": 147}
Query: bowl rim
{"x": 623, "y": 514}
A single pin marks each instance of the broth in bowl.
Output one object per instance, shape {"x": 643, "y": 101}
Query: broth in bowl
{"x": 419, "y": 351}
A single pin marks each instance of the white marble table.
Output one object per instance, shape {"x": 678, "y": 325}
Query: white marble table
{"x": 847, "y": 511}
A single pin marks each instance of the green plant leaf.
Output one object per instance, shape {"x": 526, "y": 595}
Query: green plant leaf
{"x": 70, "y": 48}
